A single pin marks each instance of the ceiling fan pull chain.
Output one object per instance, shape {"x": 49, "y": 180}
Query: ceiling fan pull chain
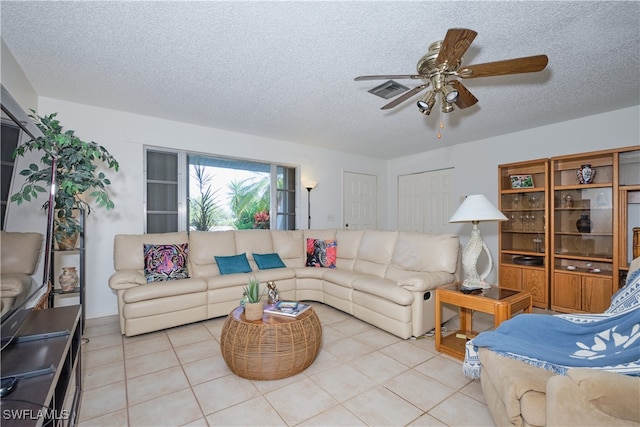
{"x": 441, "y": 126}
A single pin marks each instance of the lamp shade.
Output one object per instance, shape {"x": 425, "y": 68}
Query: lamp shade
{"x": 310, "y": 185}
{"x": 477, "y": 208}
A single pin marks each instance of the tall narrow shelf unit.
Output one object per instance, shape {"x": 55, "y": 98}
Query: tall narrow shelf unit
{"x": 69, "y": 257}
{"x": 523, "y": 238}
{"x": 592, "y": 227}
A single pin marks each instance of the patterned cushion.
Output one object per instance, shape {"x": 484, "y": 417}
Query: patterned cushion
{"x": 165, "y": 262}
{"x": 321, "y": 253}
{"x": 233, "y": 264}
{"x": 267, "y": 261}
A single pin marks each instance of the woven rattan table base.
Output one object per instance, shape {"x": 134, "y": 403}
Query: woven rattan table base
{"x": 272, "y": 348}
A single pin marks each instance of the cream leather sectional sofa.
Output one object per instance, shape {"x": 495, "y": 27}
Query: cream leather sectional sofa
{"x": 386, "y": 278}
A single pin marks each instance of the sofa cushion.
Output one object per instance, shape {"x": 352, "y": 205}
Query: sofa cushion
{"x": 383, "y": 288}
{"x": 289, "y": 244}
{"x": 426, "y": 252}
{"x": 258, "y": 241}
{"x": 376, "y": 250}
{"x": 128, "y": 251}
{"x": 233, "y": 264}
{"x": 150, "y": 292}
{"x": 20, "y": 252}
{"x": 165, "y": 262}
{"x": 267, "y": 261}
{"x": 321, "y": 253}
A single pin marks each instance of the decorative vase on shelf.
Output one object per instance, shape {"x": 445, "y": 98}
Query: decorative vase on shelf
{"x": 586, "y": 174}
{"x": 584, "y": 224}
{"x": 68, "y": 279}
{"x": 253, "y": 310}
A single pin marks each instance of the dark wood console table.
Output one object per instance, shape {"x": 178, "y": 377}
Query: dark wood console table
{"x": 52, "y": 399}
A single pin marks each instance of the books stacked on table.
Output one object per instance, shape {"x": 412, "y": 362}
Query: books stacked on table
{"x": 287, "y": 308}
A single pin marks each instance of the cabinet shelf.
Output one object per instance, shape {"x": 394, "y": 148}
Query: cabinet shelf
{"x": 583, "y": 257}
{"x": 582, "y": 186}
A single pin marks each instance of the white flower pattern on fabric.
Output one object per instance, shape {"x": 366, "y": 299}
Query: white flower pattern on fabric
{"x": 607, "y": 342}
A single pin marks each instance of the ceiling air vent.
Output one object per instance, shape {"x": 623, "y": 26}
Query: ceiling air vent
{"x": 388, "y": 89}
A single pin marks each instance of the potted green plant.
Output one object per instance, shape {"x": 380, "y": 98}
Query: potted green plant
{"x": 253, "y": 307}
{"x": 75, "y": 175}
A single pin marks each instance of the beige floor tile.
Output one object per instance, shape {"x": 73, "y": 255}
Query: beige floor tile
{"x": 419, "y": 389}
{"x": 351, "y": 326}
{"x": 174, "y": 409}
{"x": 253, "y": 412}
{"x": 267, "y": 386}
{"x": 324, "y": 361}
{"x": 113, "y": 419}
{"x": 461, "y": 410}
{"x": 156, "y": 384}
{"x": 300, "y": 401}
{"x": 474, "y": 389}
{"x": 101, "y": 321}
{"x": 223, "y": 393}
{"x": 380, "y": 407}
{"x": 445, "y": 370}
{"x": 330, "y": 335}
{"x": 379, "y": 367}
{"x": 346, "y": 349}
{"x": 377, "y": 338}
{"x": 343, "y": 382}
{"x": 188, "y": 334}
{"x": 426, "y": 420}
{"x": 204, "y": 370}
{"x": 98, "y": 329}
{"x": 152, "y": 345}
{"x": 337, "y": 416}
{"x": 408, "y": 353}
{"x": 215, "y": 326}
{"x": 103, "y": 341}
{"x": 92, "y": 359}
{"x": 103, "y": 400}
{"x": 102, "y": 375}
{"x": 200, "y": 422}
{"x": 148, "y": 363}
{"x": 198, "y": 350}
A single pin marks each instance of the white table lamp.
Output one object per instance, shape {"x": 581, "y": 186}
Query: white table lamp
{"x": 476, "y": 208}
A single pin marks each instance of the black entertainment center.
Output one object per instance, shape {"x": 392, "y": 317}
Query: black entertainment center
{"x": 51, "y": 349}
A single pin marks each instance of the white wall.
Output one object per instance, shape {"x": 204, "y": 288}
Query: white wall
{"x": 476, "y": 163}
{"x": 15, "y": 81}
{"x": 125, "y": 135}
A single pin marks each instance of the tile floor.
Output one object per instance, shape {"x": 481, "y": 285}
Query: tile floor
{"x": 362, "y": 376}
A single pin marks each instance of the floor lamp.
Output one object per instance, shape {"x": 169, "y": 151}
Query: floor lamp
{"x": 309, "y": 185}
{"x": 474, "y": 209}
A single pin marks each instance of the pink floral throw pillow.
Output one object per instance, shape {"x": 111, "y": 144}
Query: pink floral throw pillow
{"x": 321, "y": 253}
{"x": 165, "y": 262}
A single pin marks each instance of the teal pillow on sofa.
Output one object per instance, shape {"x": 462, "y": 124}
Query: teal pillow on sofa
{"x": 267, "y": 261}
{"x": 233, "y": 264}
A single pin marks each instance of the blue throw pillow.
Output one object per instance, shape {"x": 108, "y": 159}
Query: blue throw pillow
{"x": 233, "y": 264}
{"x": 266, "y": 261}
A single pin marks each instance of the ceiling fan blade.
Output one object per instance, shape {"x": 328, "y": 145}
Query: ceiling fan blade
{"x": 528, "y": 64}
{"x": 455, "y": 44}
{"x": 465, "y": 98}
{"x": 404, "y": 96}
{"x": 389, "y": 77}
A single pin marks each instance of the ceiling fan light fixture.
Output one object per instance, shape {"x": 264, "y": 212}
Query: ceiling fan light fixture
{"x": 449, "y": 93}
{"x": 446, "y": 106}
{"x": 426, "y": 103}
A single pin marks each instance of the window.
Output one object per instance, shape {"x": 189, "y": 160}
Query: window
{"x": 199, "y": 192}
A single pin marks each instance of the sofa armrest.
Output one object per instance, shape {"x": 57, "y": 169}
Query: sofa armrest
{"x": 421, "y": 281}
{"x": 125, "y": 279}
{"x": 593, "y": 397}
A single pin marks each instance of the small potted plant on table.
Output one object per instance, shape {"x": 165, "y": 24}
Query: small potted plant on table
{"x": 253, "y": 307}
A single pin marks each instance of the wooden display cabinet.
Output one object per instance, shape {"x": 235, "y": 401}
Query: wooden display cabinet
{"x": 629, "y": 208}
{"x": 583, "y": 232}
{"x": 524, "y": 255}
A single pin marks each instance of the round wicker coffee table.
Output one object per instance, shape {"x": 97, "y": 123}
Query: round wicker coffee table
{"x": 272, "y": 348}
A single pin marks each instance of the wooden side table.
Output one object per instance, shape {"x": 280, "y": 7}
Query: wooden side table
{"x": 500, "y": 302}
{"x": 272, "y": 348}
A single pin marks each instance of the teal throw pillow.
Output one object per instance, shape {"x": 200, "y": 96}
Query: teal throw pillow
{"x": 267, "y": 261}
{"x": 233, "y": 264}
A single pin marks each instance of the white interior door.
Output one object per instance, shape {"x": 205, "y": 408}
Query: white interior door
{"x": 425, "y": 201}
{"x": 360, "y": 201}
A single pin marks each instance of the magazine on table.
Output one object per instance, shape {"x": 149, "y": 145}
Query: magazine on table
{"x": 287, "y": 308}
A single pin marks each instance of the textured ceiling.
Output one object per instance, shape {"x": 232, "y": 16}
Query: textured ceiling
{"x": 285, "y": 70}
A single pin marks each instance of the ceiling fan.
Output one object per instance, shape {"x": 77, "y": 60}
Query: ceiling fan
{"x": 443, "y": 61}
